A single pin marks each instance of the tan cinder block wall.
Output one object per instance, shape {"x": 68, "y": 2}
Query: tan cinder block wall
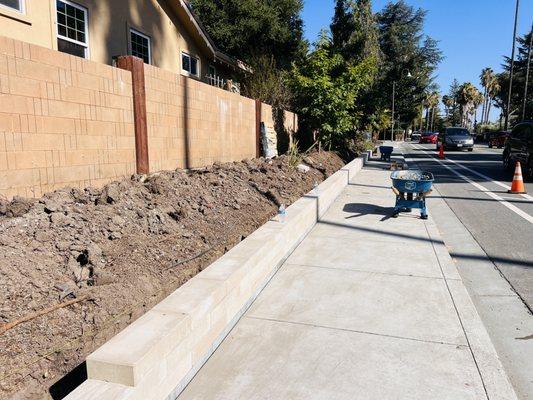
{"x": 67, "y": 121}
{"x": 267, "y": 116}
{"x": 192, "y": 124}
{"x": 290, "y": 122}
{"x": 63, "y": 121}
{"x": 284, "y": 133}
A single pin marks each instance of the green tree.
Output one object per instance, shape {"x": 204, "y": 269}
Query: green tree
{"x": 469, "y": 98}
{"x": 364, "y": 41}
{"x": 354, "y": 30}
{"x": 342, "y": 25}
{"x": 432, "y": 103}
{"x": 268, "y": 83}
{"x": 355, "y": 36}
{"x": 448, "y": 102}
{"x": 452, "y": 103}
{"x": 485, "y": 77}
{"x": 489, "y": 81}
{"x": 519, "y": 80}
{"x": 476, "y": 102}
{"x": 407, "y": 57}
{"x": 493, "y": 89}
{"x": 327, "y": 90}
{"x": 248, "y": 29}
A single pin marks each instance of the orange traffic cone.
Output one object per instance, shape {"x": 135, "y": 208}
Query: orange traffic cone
{"x": 517, "y": 187}
{"x": 441, "y": 152}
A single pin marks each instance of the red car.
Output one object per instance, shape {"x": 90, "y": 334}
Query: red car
{"x": 498, "y": 139}
{"x": 429, "y": 137}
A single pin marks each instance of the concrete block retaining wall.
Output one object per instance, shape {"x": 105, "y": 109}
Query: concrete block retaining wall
{"x": 157, "y": 355}
{"x": 68, "y": 121}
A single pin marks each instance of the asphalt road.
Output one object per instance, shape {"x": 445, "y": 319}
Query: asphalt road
{"x": 472, "y": 184}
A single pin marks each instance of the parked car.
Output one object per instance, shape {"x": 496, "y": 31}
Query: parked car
{"x": 498, "y": 139}
{"x": 519, "y": 147}
{"x": 456, "y": 138}
{"x": 415, "y": 136}
{"x": 429, "y": 137}
{"x": 479, "y": 136}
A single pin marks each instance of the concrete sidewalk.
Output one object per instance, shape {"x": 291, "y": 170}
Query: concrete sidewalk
{"x": 367, "y": 307}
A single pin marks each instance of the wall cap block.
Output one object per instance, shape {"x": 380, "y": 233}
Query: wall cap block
{"x": 190, "y": 322}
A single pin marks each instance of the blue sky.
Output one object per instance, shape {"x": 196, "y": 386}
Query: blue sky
{"x": 472, "y": 34}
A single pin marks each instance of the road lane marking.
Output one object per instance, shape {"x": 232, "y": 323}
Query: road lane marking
{"x": 501, "y": 184}
{"x": 500, "y": 200}
{"x": 488, "y": 178}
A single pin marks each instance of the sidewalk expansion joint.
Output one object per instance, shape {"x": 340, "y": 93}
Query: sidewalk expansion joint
{"x": 280, "y": 321}
{"x": 372, "y": 231}
{"x": 365, "y": 271}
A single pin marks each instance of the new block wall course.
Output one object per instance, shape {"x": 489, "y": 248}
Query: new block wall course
{"x": 211, "y": 302}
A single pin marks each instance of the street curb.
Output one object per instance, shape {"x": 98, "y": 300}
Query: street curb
{"x": 157, "y": 355}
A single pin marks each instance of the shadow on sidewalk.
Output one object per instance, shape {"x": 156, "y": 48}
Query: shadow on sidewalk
{"x": 361, "y": 209}
{"x": 513, "y": 262}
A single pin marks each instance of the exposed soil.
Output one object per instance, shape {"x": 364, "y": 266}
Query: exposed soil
{"x": 126, "y": 247}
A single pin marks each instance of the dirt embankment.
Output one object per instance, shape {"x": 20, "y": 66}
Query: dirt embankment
{"x": 125, "y": 247}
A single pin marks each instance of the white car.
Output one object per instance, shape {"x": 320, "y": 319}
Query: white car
{"x": 415, "y": 136}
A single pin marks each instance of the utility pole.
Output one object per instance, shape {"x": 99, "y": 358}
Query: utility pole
{"x": 421, "y": 115}
{"x": 507, "y": 112}
{"x": 527, "y": 73}
{"x": 393, "y": 99}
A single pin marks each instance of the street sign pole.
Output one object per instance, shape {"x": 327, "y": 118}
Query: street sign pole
{"x": 393, "y": 99}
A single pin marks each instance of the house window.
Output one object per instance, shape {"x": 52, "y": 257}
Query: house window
{"x": 72, "y": 28}
{"x": 17, "y": 5}
{"x": 189, "y": 64}
{"x": 140, "y": 46}
{"x": 212, "y": 71}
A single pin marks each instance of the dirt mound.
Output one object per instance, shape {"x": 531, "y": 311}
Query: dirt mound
{"x": 125, "y": 247}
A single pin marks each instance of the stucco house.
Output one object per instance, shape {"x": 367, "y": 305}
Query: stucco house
{"x": 164, "y": 33}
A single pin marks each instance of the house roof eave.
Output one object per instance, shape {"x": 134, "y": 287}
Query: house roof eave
{"x": 222, "y": 57}
{"x": 217, "y": 54}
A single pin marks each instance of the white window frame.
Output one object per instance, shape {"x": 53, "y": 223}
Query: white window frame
{"x": 198, "y": 66}
{"x": 22, "y": 7}
{"x": 133, "y": 30}
{"x": 86, "y": 20}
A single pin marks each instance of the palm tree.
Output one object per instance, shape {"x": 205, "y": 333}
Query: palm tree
{"x": 477, "y": 100}
{"x": 486, "y": 77}
{"x": 493, "y": 89}
{"x": 467, "y": 95}
{"x": 432, "y": 103}
{"x": 448, "y": 102}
